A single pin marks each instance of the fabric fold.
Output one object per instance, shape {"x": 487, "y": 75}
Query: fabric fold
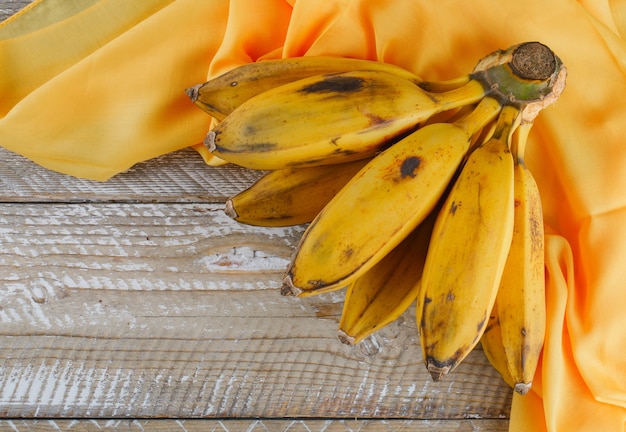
{"x": 117, "y": 100}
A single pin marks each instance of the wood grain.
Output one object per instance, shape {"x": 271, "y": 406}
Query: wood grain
{"x": 138, "y": 246}
{"x": 137, "y": 304}
{"x": 177, "y": 177}
{"x": 143, "y": 310}
{"x": 254, "y": 425}
{"x": 10, "y": 7}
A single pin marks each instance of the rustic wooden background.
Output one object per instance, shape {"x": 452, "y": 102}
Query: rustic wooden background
{"x": 136, "y": 304}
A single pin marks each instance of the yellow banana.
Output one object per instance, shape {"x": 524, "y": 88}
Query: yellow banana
{"x": 520, "y": 311}
{"x": 328, "y": 119}
{"x": 384, "y": 292}
{"x": 291, "y": 196}
{"x": 492, "y": 344}
{"x": 467, "y": 252}
{"x": 223, "y": 94}
{"x": 382, "y": 204}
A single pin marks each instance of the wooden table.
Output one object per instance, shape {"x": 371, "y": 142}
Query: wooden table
{"x": 137, "y": 304}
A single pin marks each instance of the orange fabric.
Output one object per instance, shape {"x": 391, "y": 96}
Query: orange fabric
{"x": 117, "y": 97}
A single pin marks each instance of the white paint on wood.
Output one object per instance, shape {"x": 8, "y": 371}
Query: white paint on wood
{"x": 153, "y": 309}
{"x": 180, "y": 177}
{"x": 138, "y": 298}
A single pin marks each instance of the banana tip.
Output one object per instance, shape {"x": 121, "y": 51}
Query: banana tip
{"x": 209, "y": 141}
{"x": 193, "y": 92}
{"x": 522, "y": 388}
{"x": 436, "y": 372}
{"x": 285, "y": 291}
{"x": 288, "y": 288}
{"x": 229, "y": 209}
{"x": 345, "y": 338}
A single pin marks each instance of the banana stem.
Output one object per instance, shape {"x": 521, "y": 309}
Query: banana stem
{"x": 467, "y": 94}
{"x": 486, "y": 110}
{"x": 445, "y": 86}
{"x": 518, "y": 143}
{"x": 507, "y": 123}
{"x": 525, "y": 74}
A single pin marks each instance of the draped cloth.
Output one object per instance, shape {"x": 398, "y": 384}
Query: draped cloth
{"x": 91, "y": 87}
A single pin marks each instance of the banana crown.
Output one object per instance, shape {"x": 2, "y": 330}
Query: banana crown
{"x": 525, "y": 74}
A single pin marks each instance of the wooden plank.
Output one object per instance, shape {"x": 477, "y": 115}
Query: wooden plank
{"x": 254, "y": 425}
{"x": 137, "y": 298}
{"x": 9, "y": 7}
{"x": 161, "y": 310}
{"x": 194, "y": 364}
{"x": 176, "y": 177}
{"x": 143, "y": 246}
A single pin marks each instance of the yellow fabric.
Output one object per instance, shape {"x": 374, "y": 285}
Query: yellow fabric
{"x": 92, "y": 90}
{"x": 109, "y": 92}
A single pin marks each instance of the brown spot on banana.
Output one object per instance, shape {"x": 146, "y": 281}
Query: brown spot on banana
{"x": 409, "y": 166}
{"x": 376, "y": 121}
{"x": 453, "y": 207}
{"x": 335, "y": 84}
{"x": 480, "y": 329}
{"x": 211, "y": 144}
{"x": 493, "y": 321}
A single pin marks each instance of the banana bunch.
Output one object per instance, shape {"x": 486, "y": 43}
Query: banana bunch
{"x": 414, "y": 192}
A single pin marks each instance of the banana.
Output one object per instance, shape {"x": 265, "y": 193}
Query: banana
{"x": 384, "y": 292}
{"x": 468, "y": 248}
{"x": 290, "y": 196}
{"x": 492, "y": 344}
{"x": 520, "y": 311}
{"x": 222, "y": 95}
{"x": 382, "y": 204}
{"x": 329, "y": 119}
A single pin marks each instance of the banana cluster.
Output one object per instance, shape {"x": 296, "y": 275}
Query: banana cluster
{"x": 414, "y": 192}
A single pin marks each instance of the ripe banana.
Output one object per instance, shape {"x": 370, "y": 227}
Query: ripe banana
{"x": 468, "y": 248}
{"x": 291, "y": 196}
{"x": 493, "y": 347}
{"x": 382, "y": 204}
{"x": 329, "y": 119}
{"x": 222, "y": 95}
{"x": 513, "y": 344}
{"x": 384, "y": 292}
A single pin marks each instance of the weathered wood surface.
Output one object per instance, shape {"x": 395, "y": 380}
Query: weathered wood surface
{"x": 145, "y": 310}
{"x": 161, "y": 180}
{"x": 9, "y": 7}
{"x": 254, "y": 425}
{"x": 137, "y": 299}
